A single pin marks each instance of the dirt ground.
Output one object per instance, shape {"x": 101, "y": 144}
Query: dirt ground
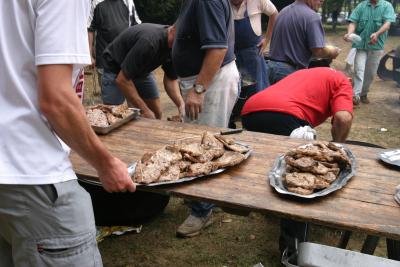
{"x": 246, "y": 241}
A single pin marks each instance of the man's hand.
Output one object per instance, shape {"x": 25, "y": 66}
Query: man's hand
{"x": 181, "y": 110}
{"x": 147, "y": 113}
{"x": 262, "y": 45}
{"x": 115, "y": 178}
{"x": 346, "y": 37}
{"x": 194, "y": 104}
{"x": 373, "y": 38}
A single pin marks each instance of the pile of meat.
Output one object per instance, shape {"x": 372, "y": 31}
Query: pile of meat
{"x": 314, "y": 167}
{"x": 189, "y": 158}
{"x": 106, "y": 115}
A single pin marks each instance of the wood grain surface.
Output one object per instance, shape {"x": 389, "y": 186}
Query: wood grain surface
{"x": 365, "y": 204}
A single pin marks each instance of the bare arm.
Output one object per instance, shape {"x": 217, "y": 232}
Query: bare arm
{"x": 264, "y": 42}
{"x": 66, "y": 115}
{"x": 91, "y": 50}
{"x": 325, "y": 52}
{"x": 374, "y": 37}
{"x": 211, "y": 65}
{"x": 350, "y": 29}
{"x": 341, "y": 125}
{"x": 130, "y": 92}
{"x": 172, "y": 88}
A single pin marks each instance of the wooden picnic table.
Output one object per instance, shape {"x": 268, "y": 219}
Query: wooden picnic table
{"x": 365, "y": 204}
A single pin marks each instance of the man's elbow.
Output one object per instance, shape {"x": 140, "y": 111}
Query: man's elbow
{"x": 343, "y": 119}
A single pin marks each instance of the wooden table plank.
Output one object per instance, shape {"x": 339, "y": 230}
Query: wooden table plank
{"x": 366, "y": 203}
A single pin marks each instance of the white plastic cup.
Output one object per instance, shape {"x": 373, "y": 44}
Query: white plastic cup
{"x": 354, "y": 38}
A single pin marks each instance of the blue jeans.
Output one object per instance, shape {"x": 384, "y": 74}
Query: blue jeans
{"x": 112, "y": 95}
{"x": 200, "y": 209}
{"x": 276, "y": 71}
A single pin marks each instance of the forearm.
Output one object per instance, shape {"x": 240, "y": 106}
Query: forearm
{"x": 341, "y": 126}
{"x": 351, "y": 28}
{"x": 172, "y": 90}
{"x": 271, "y": 23}
{"x": 211, "y": 64}
{"x": 130, "y": 92}
{"x": 91, "y": 41}
{"x": 385, "y": 27}
{"x": 66, "y": 115}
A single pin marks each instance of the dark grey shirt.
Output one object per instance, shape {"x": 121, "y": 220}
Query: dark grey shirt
{"x": 297, "y": 29}
{"x": 139, "y": 50}
{"x": 110, "y": 18}
{"x": 202, "y": 24}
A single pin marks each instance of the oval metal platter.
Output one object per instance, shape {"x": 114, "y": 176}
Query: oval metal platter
{"x": 131, "y": 169}
{"x": 391, "y": 156}
{"x": 279, "y": 169}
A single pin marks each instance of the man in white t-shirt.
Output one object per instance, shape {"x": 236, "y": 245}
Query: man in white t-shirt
{"x": 46, "y": 218}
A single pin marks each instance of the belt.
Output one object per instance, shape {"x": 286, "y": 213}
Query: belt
{"x": 284, "y": 61}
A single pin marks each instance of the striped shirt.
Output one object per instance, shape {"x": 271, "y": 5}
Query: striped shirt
{"x": 369, "y": 19}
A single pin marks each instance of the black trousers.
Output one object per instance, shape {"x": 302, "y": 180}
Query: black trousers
{"x": 280, "y": 124}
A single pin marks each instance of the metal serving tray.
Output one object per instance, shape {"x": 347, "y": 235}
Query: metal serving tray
{"x": 391, "y": 156}
{"x": 106, "y": 130}
{"x": 132, "y": 167}
{"x": 279, "y": 169}
{"x": 131, "y": 170}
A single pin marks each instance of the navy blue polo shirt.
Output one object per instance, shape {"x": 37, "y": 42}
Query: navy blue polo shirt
{"x": 202, "y": 24}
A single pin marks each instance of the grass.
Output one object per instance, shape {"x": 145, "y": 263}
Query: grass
{"x": 245, "y": 241}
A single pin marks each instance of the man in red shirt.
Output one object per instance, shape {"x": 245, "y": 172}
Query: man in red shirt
{"x": 306, "y": 97}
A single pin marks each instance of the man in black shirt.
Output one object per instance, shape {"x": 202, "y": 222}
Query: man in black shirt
{"x": 108, "y": 18}
{"x": 132, "y": 55}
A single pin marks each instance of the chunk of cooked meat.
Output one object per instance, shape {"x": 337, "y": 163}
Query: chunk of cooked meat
{"x": 119, "y": 110}
{"x": 230, "y": 158}
{"x": 320, "y": 183}
{"x": 193, "y": 149}
{"x": 159, "y": 162}
{"x": 96, "y": 117}
{"x": 300, "y": 179}
{"x": 171, "y": 174}
{"x": 111, "y": 118}
{"x": 231, "y": 145}
{"x": 329, "y": 177}
{"x": 197, "y": 169}
{"x": 304, "y": 163}
{"x": 300, "y": 190}
{"x": 225, "y": 140}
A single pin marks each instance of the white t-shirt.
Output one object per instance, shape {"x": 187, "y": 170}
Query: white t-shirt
{"x": 35, "y": 32}
{"x": 255, "y": 8}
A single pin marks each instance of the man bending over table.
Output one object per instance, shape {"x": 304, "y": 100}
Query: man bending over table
{"x": 133, "y": 54}
{"x": 306, "y": 97}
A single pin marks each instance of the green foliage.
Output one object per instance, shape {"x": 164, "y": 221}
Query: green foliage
{"x": 156, "y": 11}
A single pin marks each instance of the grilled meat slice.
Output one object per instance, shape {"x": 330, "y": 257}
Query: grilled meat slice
{"x": 321, "y": 183}
{"x": 171, "y": 174}
{"x": 111, "y": 118}
{"x": 300, "y": 190}
{"x": 193, "y": 149}
{"x": 96, "y": 117}
{"x": 231, "y": 144}
{"x": 300, "y": 179}
{"x": 225, "y": 140}
{"x": 329, "y": 177}
{"x": 197, "y": 169}
{"x": 158, "y": 163}
{"x": 230, "y": 158}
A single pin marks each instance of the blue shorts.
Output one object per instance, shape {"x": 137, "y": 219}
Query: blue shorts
{"x": 112, "y": 95}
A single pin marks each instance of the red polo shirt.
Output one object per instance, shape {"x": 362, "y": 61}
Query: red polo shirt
{"x": 312, "y": 95}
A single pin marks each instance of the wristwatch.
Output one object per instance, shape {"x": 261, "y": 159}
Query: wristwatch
{"x": 198, "y": 88}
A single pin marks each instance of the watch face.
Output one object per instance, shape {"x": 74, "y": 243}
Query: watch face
{"x": 199, "y": 88}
